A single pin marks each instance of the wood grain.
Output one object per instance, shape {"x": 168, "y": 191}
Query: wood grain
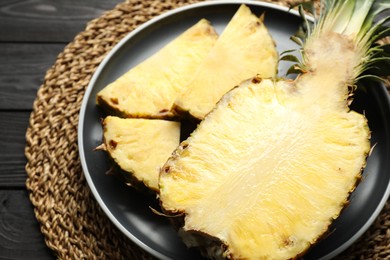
{"x": 47, "y": 20}
{"x": 22, "y": 70}
{"x": 32, "y": 34}
{"x": 20, "y": 237}
{"x": 13, "y": 127}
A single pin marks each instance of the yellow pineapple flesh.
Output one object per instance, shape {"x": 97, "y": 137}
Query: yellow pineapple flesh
{"x": 149, "y": 89}
{"x": 265, "y": 174}
{"x": 244, "y": 49}
{"x": 140, "y": 147}
{"x": 273, "y": 164}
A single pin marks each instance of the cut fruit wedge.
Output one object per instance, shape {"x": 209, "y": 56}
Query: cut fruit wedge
{"x": 149, "y": 89}
{"x": 140, "y": 147}
{"x": 244, "y": 49}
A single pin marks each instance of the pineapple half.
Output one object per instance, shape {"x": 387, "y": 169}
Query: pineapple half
{"x": 140, "y": 147}
{"x": 149, "y": 89}
{"x": 268, "y": 170}
{"x": 244, "y": 49}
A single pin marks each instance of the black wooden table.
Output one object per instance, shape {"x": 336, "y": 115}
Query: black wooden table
{"x": 32, "y": 34}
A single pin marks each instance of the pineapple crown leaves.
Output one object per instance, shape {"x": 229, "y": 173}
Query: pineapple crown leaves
{"x": 355, "y": 18}
{"x": 299, "y": 37}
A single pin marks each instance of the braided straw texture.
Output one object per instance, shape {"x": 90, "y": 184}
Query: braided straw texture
{"x": 72, "y": 222}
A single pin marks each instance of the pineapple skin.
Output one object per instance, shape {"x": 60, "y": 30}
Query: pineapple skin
{"x": 216, "y": 246}
{"x": 140, "y": 147}
{"x": 149, "y": 89}
{"x": 244, "y": 49}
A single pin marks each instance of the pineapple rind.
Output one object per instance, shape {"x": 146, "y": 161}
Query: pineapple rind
{"x": 140, "y": 147}
{"x": 149, "y": 89}
{"x": 264, "y": 209}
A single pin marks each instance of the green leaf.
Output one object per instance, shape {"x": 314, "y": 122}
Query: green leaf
{"x": 290, "y": 58}
{"x": 307, "y": 26}
{"x": 371, "y": 78}
{"x": 294, "y": 70}
{"x": 379, "y": 66}
{"x": 287, "y": 51}
{"x": 297, "y": 40}
{"x": 301, "y": 33}
{"x": 308, "y": 6}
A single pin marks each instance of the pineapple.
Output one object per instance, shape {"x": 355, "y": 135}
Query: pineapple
{"x": 244, "y": 49}
{"x": 268, "y": 170}
{"x": 140, "y": 147}
{"x": 149, "y": 89}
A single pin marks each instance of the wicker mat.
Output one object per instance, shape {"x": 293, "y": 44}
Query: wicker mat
{"x": 72, "y": 222}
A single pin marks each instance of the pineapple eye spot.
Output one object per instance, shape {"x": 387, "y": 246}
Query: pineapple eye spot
{"x": 162, "y": 111}
{"x": 166, "y": 169}
{"x": 112, "y": 144}
{"x": 256, "y": 80}
{"x": 254, "y": 26}
{"x": 289, "y": 241}
{"x": 115, "y": 101}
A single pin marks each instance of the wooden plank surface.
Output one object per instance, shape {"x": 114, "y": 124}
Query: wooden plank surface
{"x": 22, "y": 70}
{"x": 46, "y": 20}
{"x": 20, "y": 237}
{"x": 32, "y": 34}
{"x": 12, "y": 139}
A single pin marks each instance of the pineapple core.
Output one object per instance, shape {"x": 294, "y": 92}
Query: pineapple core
{"x": 244, "y": 49}
{"x": 264, "y": 172}
{"x": 140, "y": 147}
{"x": 149, "y": 89}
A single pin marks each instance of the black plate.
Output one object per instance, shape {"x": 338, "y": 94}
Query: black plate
{"x": 130, "y": 211}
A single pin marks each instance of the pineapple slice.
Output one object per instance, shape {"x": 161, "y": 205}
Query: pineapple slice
{"x": 244, "y": 49}
{"x": 140, "y": 147}
{"x": 268, "y": 170}
{"x": 268, "y": 161}
{"x": 149, "y": 89}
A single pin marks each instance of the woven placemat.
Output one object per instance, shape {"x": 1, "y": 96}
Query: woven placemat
{"x": 72, "y": 222}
